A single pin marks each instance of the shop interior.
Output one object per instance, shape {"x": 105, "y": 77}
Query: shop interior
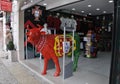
{"x": 92, "y": 20}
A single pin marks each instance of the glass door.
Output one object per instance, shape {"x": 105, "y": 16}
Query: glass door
{"x": 115, "y": 66}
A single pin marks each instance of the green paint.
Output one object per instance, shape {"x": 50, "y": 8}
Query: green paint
{"x": 76, "y": 51}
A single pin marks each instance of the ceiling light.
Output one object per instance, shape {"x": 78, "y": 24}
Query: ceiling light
{"x": 110, "y": 1}
{"x": 97, "y": 9}
{"x": 44, "y": 4}
{"x": 25, "y": 2}
{"x": 14, "y": 1}
{"x": 89, "y": 14}
{"x": 31, "y": 1}
{"x": 89, "y": 5}
{"x": 104, "y": 11}
{"x": 73, "y": 9}
{"x": 82, "y": 11}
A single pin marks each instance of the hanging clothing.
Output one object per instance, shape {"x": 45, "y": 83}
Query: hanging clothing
{"x": 78, "y": 25}
{"x": 70, "y": 24}
{"x": 73, "y": 24}
{"x": 57, "y": 23}
{"x": 63, "y": 23}
{"x": 90, "y": 26}
{"x": 50, "y": 21}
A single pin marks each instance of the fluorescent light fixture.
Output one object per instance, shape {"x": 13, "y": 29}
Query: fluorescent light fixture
{"x": 89, "y": 14}
{"x": 31, "y": 4}
{"x": 97, "y": 9}
{"x": 31, "y": 1}
{"x": 25, "y": 2}
{"x": 110, "y": 1}
{"x": 14, "y": 1}
{"x": 104, "y": 12}
{"x": 73, "y": 9}
{"x": 44, "y": 4}
{"x": 82, "y": 11}
{"x": 89, "y": 5}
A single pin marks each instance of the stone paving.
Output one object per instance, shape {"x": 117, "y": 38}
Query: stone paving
{"x": 15, "y": 73}
{"x": 5, "y": 75}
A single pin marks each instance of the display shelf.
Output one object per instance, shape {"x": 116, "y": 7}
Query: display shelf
{"x": 103, "y": 29}
{"x": 90, "y": 45}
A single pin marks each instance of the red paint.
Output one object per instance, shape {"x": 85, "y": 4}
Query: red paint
{"x": 45, "y": 45}
{"x": 5, "y": 5}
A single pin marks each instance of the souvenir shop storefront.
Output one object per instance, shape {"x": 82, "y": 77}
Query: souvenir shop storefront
{"x": 71, "y": 45}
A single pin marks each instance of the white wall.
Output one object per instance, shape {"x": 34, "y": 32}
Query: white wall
{"x": 1, "y": 35}
{"x": 59, "y": 3}
{"x": 17, "y": 18}
{"x": 4, "y": 31}
{"x": 21, "y": 35}
{"x": 15, "y": 23}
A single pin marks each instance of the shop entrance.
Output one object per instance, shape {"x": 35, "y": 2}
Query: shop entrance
{"x": 101, "y": 22}
{"x": 95, "y": 30}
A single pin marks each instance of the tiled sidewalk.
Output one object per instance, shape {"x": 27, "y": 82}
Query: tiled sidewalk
{"x": 15, "y": 73}
{"x": 5, "y": 75}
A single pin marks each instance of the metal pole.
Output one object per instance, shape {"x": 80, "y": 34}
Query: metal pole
{"x": 41, "y": 66}
{"x": 33, "y": 50}
{"x": 73, "y": 46}
{"x": 64, "y": 55}
{"x": 40, "y": 56}
{"x": 26, "y": 46}
{"x": 54, "y": 31}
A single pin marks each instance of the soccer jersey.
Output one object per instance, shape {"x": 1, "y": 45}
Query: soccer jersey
{"x": 78, "y": 25}
{"x": 70, "y": 24}
{"x": 50, "y": 21}
{"x": 57, "y": 23}
{"x": 63, "y": 23}
{"x": 73, "y": 24}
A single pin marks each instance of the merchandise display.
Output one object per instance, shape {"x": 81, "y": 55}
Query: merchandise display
{"x": 69, "y": 23}
{"x": 54, "y": 22}
{"x": 63, "y": 41}
{"x": 45, "y": 43}
{"x": 58, "y": 47}
{"x": 37, "y": 13}
{"x": 91, "y": 45}
{"x": 50, "y": 21}
{"x": 87, "y": 31}
{"x": 103, "y": 29}
{"x": 59, "y": 22}
{"x": 33, "y": 17}
{"x": 81, "y": 24}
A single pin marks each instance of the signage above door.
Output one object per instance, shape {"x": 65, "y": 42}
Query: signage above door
{"x": 5, "y": 5}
